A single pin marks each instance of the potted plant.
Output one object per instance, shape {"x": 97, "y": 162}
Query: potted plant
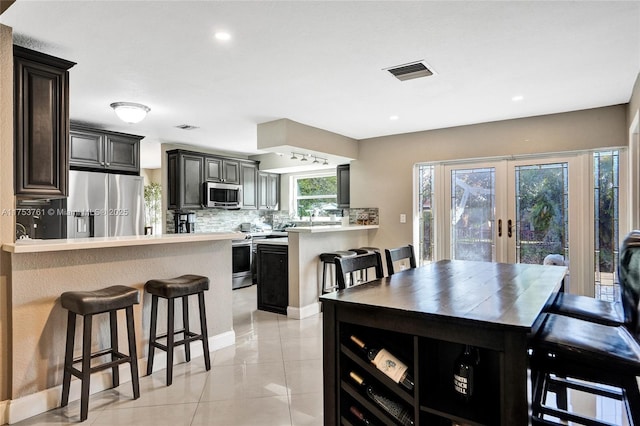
{"x": 152, "y": 207}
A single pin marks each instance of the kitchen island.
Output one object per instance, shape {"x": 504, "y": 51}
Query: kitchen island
{"x": 42, "y": 270}
{"x": 426, "y": 316}
{"x": 306, "y": 243}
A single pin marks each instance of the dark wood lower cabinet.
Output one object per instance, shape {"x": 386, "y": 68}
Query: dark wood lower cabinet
{"x": 273, "y": 277}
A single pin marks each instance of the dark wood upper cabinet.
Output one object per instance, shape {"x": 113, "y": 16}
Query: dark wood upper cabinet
{"x": 268, "y": 191}
{"x": 41, "y": 114}
{"x": 185, "y": 173}
{"x": 249, "y": 174}
{"x": 342, "y": 173}
{"x": 222, "y": 170}
{"x": 104, "y": 150}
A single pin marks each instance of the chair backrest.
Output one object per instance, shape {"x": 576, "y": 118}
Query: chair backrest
{"x": 396, "y": 254}
{"x": 346, "y": 265}
{"x": 629, "y": 276}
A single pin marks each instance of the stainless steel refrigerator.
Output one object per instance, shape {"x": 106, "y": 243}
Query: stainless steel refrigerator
{"x": 104, "y": 205}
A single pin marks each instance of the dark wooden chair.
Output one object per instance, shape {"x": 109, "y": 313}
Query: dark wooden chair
{"x": 397, "y": 254}
{"x": 571, "y": 353}
{"x": 584, "y": 307}
{"x": 347, "y": 265}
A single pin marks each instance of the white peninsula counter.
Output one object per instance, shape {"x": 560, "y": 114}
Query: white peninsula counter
{"x": 42, "y": 270}
{"x": 306, "y": 243}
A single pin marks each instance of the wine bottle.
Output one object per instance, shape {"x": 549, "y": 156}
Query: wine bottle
{"x": 464, "y": 374}
{"x": 358, "y": 415}
{"x": 387, "y": 363}
{"x": 394, "y": 409}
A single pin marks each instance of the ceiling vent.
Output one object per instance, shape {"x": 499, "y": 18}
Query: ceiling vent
{"x": 187, "y": 127}
{"x": 410, "y": 71}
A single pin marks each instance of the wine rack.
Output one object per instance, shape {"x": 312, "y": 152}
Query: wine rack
{"x": 433, "y": 401}
{"x": 352, "y": 359}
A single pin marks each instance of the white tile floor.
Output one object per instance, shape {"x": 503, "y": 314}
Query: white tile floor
{"x": 271, "y": 376}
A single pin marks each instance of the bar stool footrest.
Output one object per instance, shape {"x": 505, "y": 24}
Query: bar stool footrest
{"x": 121, "y": 359}
{"x": 586, "y": 387}
{"x": 567, "y": 416}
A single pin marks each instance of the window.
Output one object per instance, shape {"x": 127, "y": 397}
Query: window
{"x": 606, "y": 194}
{"x": 314, "y": 195}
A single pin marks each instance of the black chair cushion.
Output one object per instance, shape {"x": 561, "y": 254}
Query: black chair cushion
{"x": 177, "y": 287}
{"x": 331, "y": 256}
{"x": 103, "y": 300}
{"x": 588, "y": 309}
{"x": 629, "y": 274}
{"x": 589, "y": 342}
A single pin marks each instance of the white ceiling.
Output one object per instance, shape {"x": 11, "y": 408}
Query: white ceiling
{"x": 321, "y": 63}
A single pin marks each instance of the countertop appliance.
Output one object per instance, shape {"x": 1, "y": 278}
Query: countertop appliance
{"x": 222, "y": 195}
{"x": 104, "y": 205}
{"x": 184, "y": 222}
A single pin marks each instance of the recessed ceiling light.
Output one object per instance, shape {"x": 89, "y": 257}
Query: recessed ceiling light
{"x": 517, "y": 98}
{"x": 222, "y": 36}
{"x": 393, "y": 117}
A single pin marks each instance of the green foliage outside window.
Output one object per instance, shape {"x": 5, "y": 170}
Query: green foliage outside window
{"x": 316, "y": 194}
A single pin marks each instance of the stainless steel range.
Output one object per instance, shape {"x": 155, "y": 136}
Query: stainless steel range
{"x": 242, "y": 260}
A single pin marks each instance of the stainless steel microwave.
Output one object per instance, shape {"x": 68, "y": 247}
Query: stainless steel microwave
{"x": 222, "y": 195}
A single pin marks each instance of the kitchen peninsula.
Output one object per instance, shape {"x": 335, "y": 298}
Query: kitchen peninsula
{"x": 42, "y": 270}
{"x": 306, "y": 243}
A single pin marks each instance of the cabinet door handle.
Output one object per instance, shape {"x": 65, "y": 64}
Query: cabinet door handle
{"x": 499, "y": 227}
{"x": 509, "y": 228}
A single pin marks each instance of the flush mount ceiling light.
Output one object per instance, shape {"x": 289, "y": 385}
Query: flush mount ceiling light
{"x": 222, "y": 36}
{"x": 130, "y": 112}
{"x": 517, "y": 98}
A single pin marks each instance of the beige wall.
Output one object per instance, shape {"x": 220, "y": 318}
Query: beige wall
{"x": 634, "y": 102}
{"x": 383, "y": 174}
{"x": 6, "y": 203}
{"x": 151, "y": 176}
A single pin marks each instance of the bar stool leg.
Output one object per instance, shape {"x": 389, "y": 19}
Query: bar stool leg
{"x": 632, "y": 399}
{"x": 86, "y": 367}
{"x": 185, "y": 324}
{"x": 170, "y": 336}
{"x": 115, "y": 371}
{"x": 68, "y": 357}
{"x": 152, "y": 333}
{"x": 131, "y": 334}
{"x": 203, "y": 331}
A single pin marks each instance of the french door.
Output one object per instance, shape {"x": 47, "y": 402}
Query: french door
{"x": 514, "y": 211}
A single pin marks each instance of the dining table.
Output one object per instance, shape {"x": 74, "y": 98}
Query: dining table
{"x": 427, "y": 316}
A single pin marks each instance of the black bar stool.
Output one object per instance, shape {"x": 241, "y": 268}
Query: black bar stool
{"x": 170, "y": 289}
{"x": 364, "y": 276}
{"x": 87, "y": 304}
{"x": 329, "y": 259}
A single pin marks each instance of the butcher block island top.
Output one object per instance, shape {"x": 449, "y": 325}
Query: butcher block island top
{"x": 36, "y": 246}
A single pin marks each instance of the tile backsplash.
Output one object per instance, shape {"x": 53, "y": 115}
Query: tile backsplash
{"x": 218, "y": 220}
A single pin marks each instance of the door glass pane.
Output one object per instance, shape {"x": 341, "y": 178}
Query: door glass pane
{"x": 425, "y": 209}
{"x": 541, "y": 226}
{"x": 473, "y": 214}
{"x": 605, "y": 186}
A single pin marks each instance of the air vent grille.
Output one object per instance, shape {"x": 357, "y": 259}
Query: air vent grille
{"x": 410, "y": 71}
{"x": 187, "y": 127}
